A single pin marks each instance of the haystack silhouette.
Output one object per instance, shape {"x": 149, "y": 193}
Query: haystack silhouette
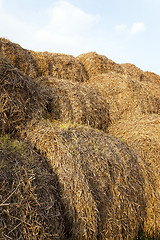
{"x": 96, "y": 64}
{"x": 37, "y": 64}
{"x": 81, "y": 158}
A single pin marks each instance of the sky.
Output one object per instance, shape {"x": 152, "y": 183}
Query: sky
{"x": 125, "y": 31}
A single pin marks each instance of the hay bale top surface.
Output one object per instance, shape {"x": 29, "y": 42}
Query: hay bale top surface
{"x": 74, "y": 102}
{"x": 133, "y": 70}
{"x": 144, "y": 126}
{"x": 125, "y": 95}
{"x": 36, "y": 64}
{"x": 61, "y": 66}
{"x": 154, "y": 77}
{"x": 96, "y": 64}
{"x": 19, "y": 98}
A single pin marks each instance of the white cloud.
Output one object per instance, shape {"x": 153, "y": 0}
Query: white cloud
{"x": 68, "y": 27}
{"x": 120, "y": 28}
{"x": 138, "y": 27}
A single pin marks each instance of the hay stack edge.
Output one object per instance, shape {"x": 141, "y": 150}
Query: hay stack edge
{"x": 79, "y": 147}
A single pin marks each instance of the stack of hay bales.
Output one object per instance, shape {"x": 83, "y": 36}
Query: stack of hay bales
{"x": 71, "y": 102}
{"x": 100, "y": 177}
{"x": 125, "y": 95}
{"x": 143, "y": 134}
{"x": 30, "y": 206}
{"x": 20, "y": 100}
{"x": 36, "y": 64}
{"x": 96, "y": 64}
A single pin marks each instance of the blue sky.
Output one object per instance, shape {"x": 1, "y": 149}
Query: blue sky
{"x": 122, "y": 30}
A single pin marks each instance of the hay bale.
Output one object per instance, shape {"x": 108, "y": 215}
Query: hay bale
{"x": 101, "y": 180}
{"x": 19, "y": 57}
{"x": 125, "y": 95}
{"x": 96, "y": 64}
{"x": 19, "y": 98}
{"x": 61, "y": 66}
{"x": 143, "y": 135}
{"x": 74, "y": 102}
{"x": 134, "y": 71}
{"x": 148, "y": 79}
{"x": 155, "y": 78}
{"x": 37, "y": 64}
{"x": 30, "y": 206}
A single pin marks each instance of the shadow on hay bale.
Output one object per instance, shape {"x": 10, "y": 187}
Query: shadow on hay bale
{"x": 30, "y": 205}
{"x": 101, "y": 180}
{"x": 20, "y": 100}
{"x": 142, "y": 134}
{"x": 74, "y": 102}
{"x": 36, "y": 64}
{"x": 125, "y": 95}
{"x": 96, "y": 64}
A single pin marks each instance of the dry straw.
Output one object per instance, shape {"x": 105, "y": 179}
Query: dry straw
{"x": 125, "y": 95}
{"x": 61, "y": 66}
{"x": 36, "y": 64}
{"x": 148, "y": 79}
{"x": 30, "y": 205}
{"x": 96, "y": 64}
{"x": 74, "y": 102}
{"x": 100, "y": 178}
{"x": 19, "y": 98}
{"x": 142, "y": 134}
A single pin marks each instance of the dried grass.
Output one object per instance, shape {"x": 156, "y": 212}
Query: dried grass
{"x": 61, "y": 66}
{"x": 101, "y": 180}
{"x": 74, "y": 102}
{"x": 148, "y": 79}
{"x": 37, "y": 64}
{"x": 20, "y": 100}
{"x": 96, "y": 64}
{"x": 126, "y": 96}
{"x": 30, "y": 206}
{"x": 142, "y": 134}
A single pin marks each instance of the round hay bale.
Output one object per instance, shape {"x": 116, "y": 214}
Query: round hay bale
{"x": 19, "y": 98}
{"x": 74, "y": 102}
{"x": 101, "y": 180}
{"x": 61, "y": 66}
{"x": 125, "y": 95}
{"x": 155, "y": 78}
{"x": 37, "y": 64}
{"x": 19, "y": 57}
{"x": 143, "y": 135}
{"x": 134, "y": 71}
{"x": 30, "y": 206}
{"x": 148, "y": 79}
{"x": 96, "y": 64}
